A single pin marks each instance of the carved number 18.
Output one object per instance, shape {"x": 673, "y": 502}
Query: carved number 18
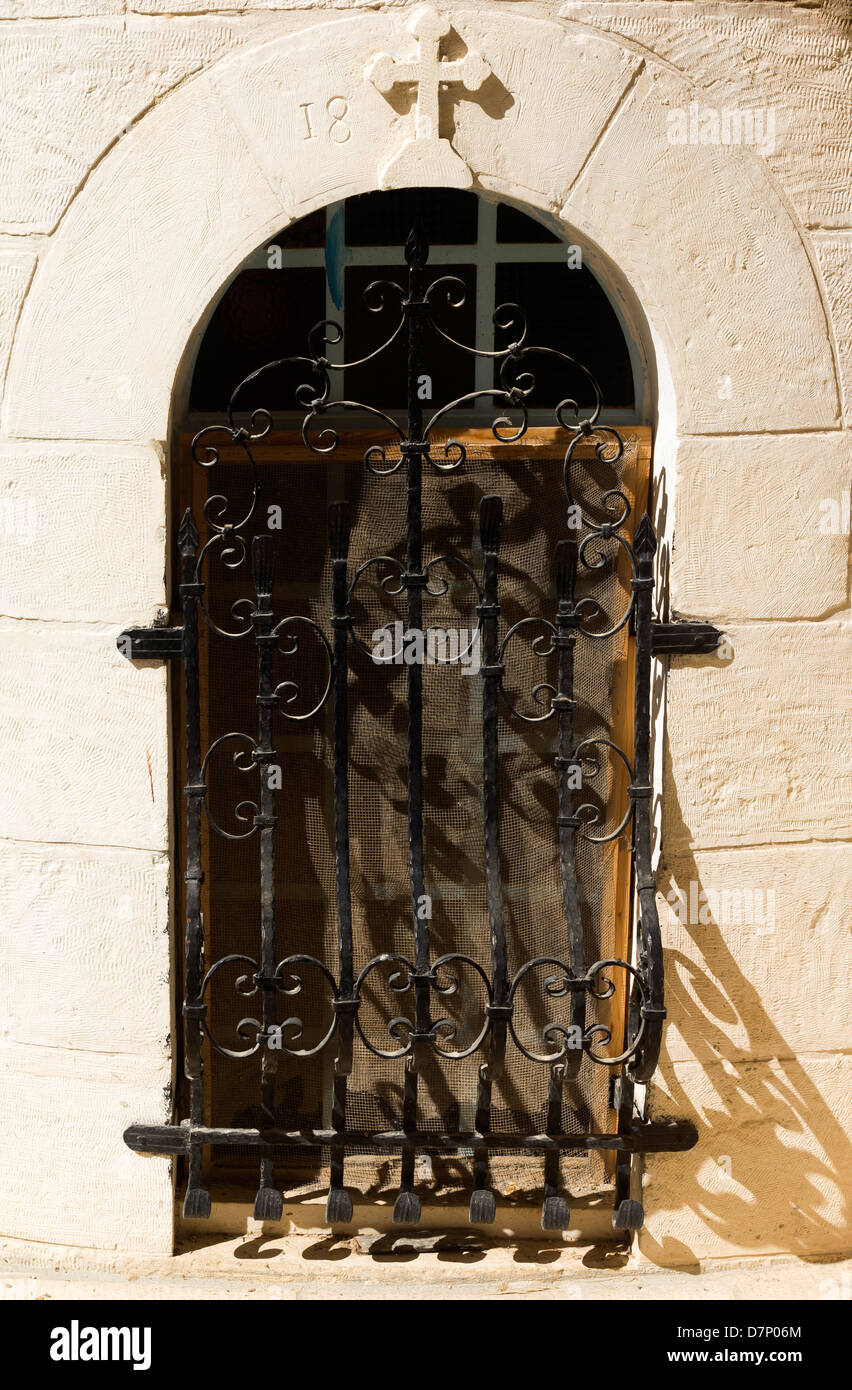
{"x": 337, "y": 109}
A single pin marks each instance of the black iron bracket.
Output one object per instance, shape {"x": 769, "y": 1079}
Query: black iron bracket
{"x": 684, "y": 638}
{"x": 150, "y": 643}
{"x": 661, "y": 1136}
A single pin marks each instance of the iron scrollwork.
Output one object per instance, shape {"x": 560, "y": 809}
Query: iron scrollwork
{"x": 422, "y": 1031}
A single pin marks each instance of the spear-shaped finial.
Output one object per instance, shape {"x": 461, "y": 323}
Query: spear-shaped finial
{"x": 187, "y": 534}
{"x": 566, "y": 569}
{"x": 416, "y": 246}
{"x": 490, "y": 523}
{"x": 339, "y": 529}
{"x": 263, "y": 564}
{"x": 644, "y": 541}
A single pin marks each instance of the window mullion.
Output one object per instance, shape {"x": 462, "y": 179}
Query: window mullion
{"x": 334, "y": 258}
{"x": 485, "y": 305}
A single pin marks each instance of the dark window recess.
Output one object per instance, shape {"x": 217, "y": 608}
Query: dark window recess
{"x": 448, "y": 217}
{"x": 307, "y": 233}
{"x": 263, "y": 315}
{"x": 568, "y": 307}
{"x": 412, "y": 946}
{"x": 515, "y": 226}
{"x": 382, "y": 382}
{"x": 267, "y": 311}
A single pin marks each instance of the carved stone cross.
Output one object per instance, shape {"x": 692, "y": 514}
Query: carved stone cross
{"x": 425, "y": 157}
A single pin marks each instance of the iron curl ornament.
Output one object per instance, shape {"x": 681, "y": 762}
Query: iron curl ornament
{"x": 410, "y": 991}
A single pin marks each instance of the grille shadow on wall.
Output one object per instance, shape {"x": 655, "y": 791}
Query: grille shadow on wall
{"x": 407, "y": 792}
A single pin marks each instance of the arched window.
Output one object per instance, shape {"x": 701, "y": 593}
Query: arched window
{"x": 318, "y": 268}
{"x": 416, "y": 769}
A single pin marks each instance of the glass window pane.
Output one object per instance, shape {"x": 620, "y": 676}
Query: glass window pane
{"x": 383, "y": 381}
{"x": 263, "y": 315}
{"x": 385, "y": 219}
{"x": 567, "y": 309}
{"x": 515, "y": 226}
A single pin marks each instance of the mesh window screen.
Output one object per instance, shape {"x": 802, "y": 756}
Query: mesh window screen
{"x": 534, "y": 520}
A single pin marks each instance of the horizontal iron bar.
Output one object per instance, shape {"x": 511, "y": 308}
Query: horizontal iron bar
{"x": 150, "y": 643}
{"x": 672, "y": 1136}
{"x": 683, "y": 637}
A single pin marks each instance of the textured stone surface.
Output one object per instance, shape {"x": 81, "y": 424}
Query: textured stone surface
{"x": 16, "y": 269}
{"x": 834, "y": 253}
{"x": 743, "y": 929}
{"x": 796, "y": 60}
{"x": 108, "y": 946}
{"x": 650, "y": 203}
{"x": 741, "y": 356}
{"x": 59, "y": 9}
{"x": 86, "y": 735}
{"x": 771, "y": 1172}
{"x": 752, "y": 521}
{"x": 490, "y": 130}
{"x": 53, "y": 131}
{"x": 162, "y": 223}
{"x": 70, "y": 549}
{"x": 68, "y": 1175}
{"x": 284, "y": 1267}
{"x": 758, "y": 746}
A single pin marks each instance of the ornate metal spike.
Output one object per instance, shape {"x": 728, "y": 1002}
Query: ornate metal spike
{"x": 339, "y": 527}
{"x": 417, "y": 247}
{"x": 263, "y": 565}
{"x": 490, "y": 523}
{"x": 645, "y": 541}
{"x": 187, "y": 534}
{"x": 565, "y": 570}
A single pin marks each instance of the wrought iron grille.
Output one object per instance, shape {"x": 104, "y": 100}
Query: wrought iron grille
{"x": 422, "y": 1034}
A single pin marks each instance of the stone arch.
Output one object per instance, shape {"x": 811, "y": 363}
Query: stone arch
{"x": 567, "y": 121}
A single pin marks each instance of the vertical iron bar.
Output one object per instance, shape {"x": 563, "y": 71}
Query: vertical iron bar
{"x": 650, "y": 1012}
{"x": 568, "y": 776}
{"x": 627, "y": 1215}
{"x": 555, "y": 1212}
{"x": 483, "y": 1203}
{"x": 407, "y": 1206}
{"x": 197, "y": 1200}
{"x": 268, "y": 1203}
{"x": 339, "y": 1204}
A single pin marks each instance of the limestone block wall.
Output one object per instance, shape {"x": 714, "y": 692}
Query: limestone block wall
{"x": 143, "y": 155}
